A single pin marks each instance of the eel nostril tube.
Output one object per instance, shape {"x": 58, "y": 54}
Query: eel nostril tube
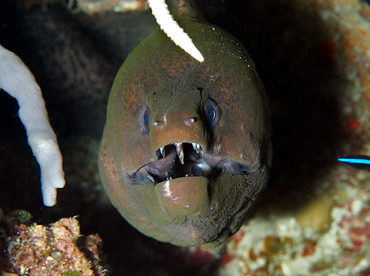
{"x": 190, "y": 120}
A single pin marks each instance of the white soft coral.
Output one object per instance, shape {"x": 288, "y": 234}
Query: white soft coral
{"x": 172, "y": 29}
{"x": 18, "y": 81}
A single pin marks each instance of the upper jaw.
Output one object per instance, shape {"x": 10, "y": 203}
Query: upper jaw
{"x": 185, "y": 159}
{"x": 161, "y": 152}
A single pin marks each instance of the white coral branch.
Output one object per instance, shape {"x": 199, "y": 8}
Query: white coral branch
{"x": 172, "y": 29}
{"x": 18, "y": 81}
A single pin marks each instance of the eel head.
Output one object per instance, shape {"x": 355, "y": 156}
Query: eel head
{"x": 186, "y": 147}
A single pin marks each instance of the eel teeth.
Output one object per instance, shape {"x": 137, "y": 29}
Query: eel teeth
{"x": 179, "y": 146}
{"x": 151, "y": 178}
{"x": 162, "y": 151}
{"x": 194, "y": 146}
{"x": 180, "y": 152}
{"x": 197, "y": 147}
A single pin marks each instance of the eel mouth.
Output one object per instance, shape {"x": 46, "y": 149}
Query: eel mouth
{"x": 185, "y": 160}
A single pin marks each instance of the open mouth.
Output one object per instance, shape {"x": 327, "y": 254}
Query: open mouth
{"x": 185, "y": 160}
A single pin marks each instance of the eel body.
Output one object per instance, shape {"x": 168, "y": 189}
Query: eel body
{"x": 186, "y": 146}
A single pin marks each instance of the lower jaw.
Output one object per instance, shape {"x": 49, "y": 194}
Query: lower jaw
{"x": 183, "y": 196}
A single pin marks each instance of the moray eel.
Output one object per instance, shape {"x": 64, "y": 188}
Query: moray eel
{"x": 186, "y": 147}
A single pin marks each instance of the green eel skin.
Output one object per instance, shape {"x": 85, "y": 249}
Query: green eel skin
{"x": 162, "y": 96}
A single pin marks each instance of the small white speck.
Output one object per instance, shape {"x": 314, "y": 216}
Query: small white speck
{"x": 356, "y": 206}
{"x": 166, "y": 187}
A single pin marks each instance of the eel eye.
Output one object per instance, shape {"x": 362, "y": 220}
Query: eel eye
{"x": 211, "y": 112}
{"x": 145, "y": 119}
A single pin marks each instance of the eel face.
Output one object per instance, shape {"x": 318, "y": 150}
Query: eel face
{"x": 186, "y": 146}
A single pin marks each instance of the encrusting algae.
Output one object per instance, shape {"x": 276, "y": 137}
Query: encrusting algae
{"x": 58, "y": 249}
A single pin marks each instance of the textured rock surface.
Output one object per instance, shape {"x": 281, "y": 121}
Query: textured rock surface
{"x": 55, "y": 250}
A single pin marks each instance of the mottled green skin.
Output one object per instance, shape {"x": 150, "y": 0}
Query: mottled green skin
{"x": 161, "y": 75}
